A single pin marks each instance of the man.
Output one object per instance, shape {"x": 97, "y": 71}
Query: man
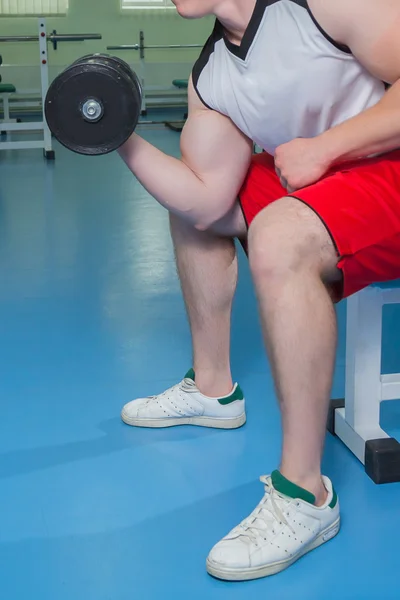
{"x": 317, "y": 86}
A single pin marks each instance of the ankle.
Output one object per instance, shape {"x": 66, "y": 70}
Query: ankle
{"x": 214, "y": 383}
{"x": 312, "y": 483}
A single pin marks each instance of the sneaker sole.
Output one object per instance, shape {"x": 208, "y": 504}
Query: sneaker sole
{"x": 212, "y": 422}
{"x": 272, "y": 569}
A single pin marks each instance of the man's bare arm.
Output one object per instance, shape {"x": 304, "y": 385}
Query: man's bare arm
{"x": 371, "y": 30}
{"x": 203, "y": 185}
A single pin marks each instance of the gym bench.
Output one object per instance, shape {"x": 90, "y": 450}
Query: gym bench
{"x": 356, "y": 418}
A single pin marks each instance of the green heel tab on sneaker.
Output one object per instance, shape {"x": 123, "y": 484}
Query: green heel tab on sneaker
{"x": 334, "y": 500}
{"x": 190, "y": 375}
{"x": 287, "y": 488}
{"x": 236, "y": 395}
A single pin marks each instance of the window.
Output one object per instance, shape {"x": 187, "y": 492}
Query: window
{"x": 141, "y": 4}
{"x": 33, "y": 7}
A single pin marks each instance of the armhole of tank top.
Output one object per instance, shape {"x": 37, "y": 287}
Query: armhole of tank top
{"x": 342, "y": 47}
{"x": 195, "y": 77}
{"x": 203, "y": 59}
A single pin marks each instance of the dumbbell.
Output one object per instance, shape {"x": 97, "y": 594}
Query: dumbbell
{"x": 93, "y": 106}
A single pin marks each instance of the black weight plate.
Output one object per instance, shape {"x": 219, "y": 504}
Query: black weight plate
{"x": 129, "y": 71}
{"x": 112, "y": 88}
{"x": 138, "y": 84}
{"x": 91, "y": 79}
{"x": 88, "y": 57}
{"x": 113, "y": 62}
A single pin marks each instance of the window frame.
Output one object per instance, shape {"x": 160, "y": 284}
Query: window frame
{"x": 17, "y": 12}
{"x": 132, "y": 5}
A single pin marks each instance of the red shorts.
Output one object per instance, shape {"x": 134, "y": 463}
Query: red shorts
{"x": 359, "y": 204}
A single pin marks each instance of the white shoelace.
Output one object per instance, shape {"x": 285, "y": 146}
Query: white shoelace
{"x": 187, "y": 385}
{"x": 265, "y": 515}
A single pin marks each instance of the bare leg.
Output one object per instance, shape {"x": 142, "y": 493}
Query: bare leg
{"x": 207, "y": 267}
{"x": 291, "y": 255}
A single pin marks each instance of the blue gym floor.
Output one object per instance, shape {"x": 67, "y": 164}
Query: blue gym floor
{"x": 91, "y": 317}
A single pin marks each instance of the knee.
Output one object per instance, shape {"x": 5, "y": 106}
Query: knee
{"x": 282, "y": 243}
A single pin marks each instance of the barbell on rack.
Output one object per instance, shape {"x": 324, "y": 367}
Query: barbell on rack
{"x": 153, "y": 47}
{"x": 142, "y": 46}
{"x": 53, "y": 37}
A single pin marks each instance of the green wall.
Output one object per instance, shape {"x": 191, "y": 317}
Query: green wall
{"x": 105, "y": 17}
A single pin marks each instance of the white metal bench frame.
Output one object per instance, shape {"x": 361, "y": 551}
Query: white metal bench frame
{"x": 5, "y": 99}
{"x": 359, "y": 421}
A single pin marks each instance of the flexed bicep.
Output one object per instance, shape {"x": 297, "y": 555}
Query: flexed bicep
{"x": 216, "y": 151}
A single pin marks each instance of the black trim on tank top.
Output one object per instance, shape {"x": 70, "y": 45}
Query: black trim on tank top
{"x": 342, "y": 47}
{"x": 204, "y": 57}
{"x": 250, "y": 33}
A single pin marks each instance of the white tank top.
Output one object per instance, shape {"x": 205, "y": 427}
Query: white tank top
{"x": 287, "y": 79}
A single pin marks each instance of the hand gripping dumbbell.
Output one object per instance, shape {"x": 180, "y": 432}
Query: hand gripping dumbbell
{"x": 93, "y": 106}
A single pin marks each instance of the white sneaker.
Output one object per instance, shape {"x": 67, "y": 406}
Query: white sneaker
{"x": 283, "y": 527}
{"x": 183, "y": 404}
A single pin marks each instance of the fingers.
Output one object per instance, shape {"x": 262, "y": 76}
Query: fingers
{"x": 282, "y": 179}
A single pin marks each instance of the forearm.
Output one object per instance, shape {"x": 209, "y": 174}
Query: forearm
{"x": 374, "y": 131}
{"x": 170, "y": 181}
